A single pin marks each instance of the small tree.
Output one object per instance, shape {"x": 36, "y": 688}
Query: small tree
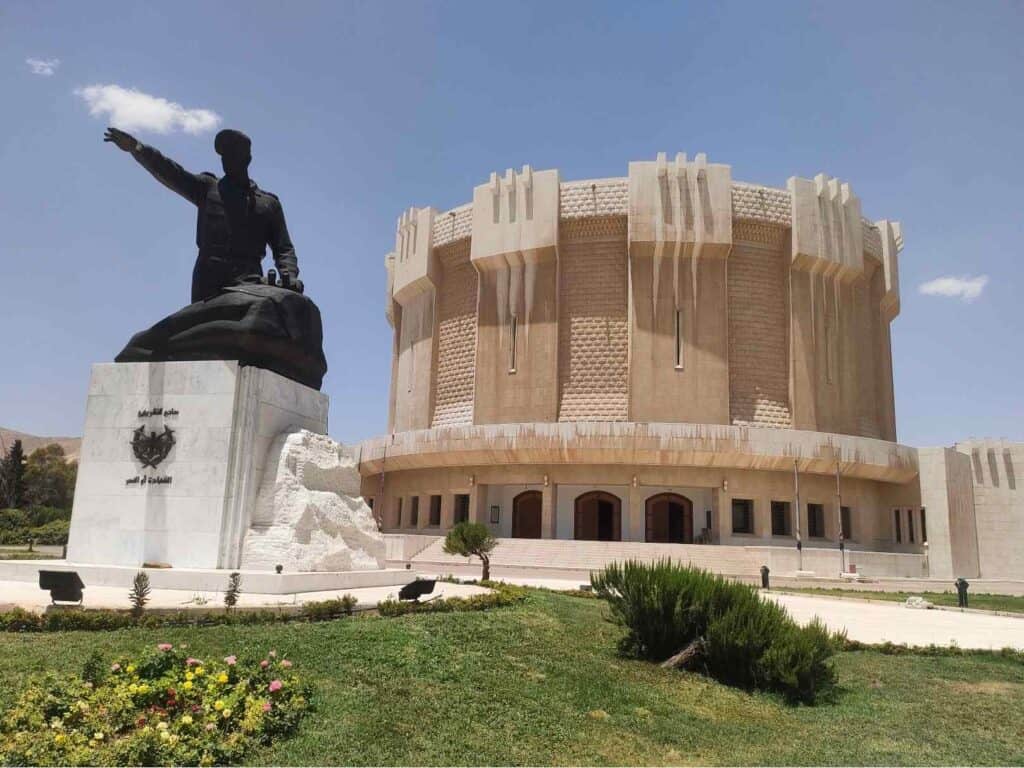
{"x": 468, "y": 539}
{"x": 49, "y": 478}
{"x": 233, "y": 591}
{"x": 12, "y": 477}
{"x": 138, "y": 596}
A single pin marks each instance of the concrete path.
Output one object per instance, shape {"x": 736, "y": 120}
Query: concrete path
{"x": 29, "y": 596}
{"x": 878, "y": 622}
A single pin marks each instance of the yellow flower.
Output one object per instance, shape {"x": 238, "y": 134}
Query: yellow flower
{"x": 165, "y": 735}
{"x": 200, "y": 671}
{"x": 189, "y": 676}
{"x": 222, "y": 677}
{"x": 186, "y": 720}
{"x": 226, "y": 714}
{"x": 218, "y": 704}
{"x": 98, "y": 735}
{"x": 130, "y": 668}
{"x": 187, "y": 685}
{"x": 144, "y": 688}
{"x": 60, "y": 738}
{"x": 161, "y": 726}
{"x": 133, "y": 688}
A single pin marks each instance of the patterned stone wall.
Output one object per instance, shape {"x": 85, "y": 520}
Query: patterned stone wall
{"x": 593, "y": 329}
{"x": 758, "y": 343}
{"x": 456, "y": 337}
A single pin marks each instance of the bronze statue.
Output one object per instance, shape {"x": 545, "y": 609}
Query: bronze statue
{"x": 235, "y": 313}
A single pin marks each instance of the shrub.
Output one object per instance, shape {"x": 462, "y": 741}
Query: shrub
{"x": 54, "y": 532}
{"x": 233, "y": 591}
{"x": 138, "y": 595}
{"x": 743, "y": 640}
{"x": 157, "y": 709}
{"x": 501, "y": 595}
{"x": 322, "y": 610}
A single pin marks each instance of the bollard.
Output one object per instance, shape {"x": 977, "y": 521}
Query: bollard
{"x": 961, "y": 592}
{"x": 764, "y": 576}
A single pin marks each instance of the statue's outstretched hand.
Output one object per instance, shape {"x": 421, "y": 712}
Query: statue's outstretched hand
{"x": 120, "y": 139}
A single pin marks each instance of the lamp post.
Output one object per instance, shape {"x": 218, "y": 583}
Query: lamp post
{"x": 796, "y": 493}
{"x": 839, "y": 514}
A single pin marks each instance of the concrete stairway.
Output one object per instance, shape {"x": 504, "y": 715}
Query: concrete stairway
{"x": 559, "y": 554}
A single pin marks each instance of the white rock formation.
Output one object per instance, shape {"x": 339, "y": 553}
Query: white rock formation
{"x": 309, "y": 515}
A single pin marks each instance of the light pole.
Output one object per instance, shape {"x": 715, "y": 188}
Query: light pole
{"x": 796, "y": 493}
{"x": 839, "y": 514}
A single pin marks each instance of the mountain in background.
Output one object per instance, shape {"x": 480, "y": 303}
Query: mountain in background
{"x": 72, "y": 445}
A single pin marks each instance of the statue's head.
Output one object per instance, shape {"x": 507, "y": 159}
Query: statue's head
{"x": 235, "y": 150}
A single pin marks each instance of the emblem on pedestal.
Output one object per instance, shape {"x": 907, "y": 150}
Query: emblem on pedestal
{"x": 153, "y": 448}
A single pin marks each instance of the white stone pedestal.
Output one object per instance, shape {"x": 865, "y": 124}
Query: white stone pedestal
{"x": 190, "y": 510}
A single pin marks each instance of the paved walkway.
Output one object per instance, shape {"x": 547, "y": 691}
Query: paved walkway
{"x": 878, "y": 622}
{"x": 29, "y": 596}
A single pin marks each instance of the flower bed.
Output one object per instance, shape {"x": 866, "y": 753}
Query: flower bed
{"x": 163, "y": 708}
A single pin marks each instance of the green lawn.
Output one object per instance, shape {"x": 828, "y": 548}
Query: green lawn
{"x": 1008, "y": 603}
{"x": 540, "y": 683}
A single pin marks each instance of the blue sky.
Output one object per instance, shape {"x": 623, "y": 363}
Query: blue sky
{"x": 359, "y": 110}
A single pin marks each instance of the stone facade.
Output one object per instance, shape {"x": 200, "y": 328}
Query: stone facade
{"x": 584, "y": 358}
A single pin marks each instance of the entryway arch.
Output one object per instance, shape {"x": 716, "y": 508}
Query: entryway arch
{"x": 598, "y": 517}
{"x": 669, "y": 519}
{"x": 526, "y": 515}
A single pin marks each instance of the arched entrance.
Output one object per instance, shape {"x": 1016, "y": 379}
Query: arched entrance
{"x": 526, "y": 515}
{"x": 669, "y": 519}
{"x": 598, "y": 517}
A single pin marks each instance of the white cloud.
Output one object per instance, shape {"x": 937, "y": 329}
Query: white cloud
{"x": 44, "y": 67}
{"x": 965, "y": 288}
{"x": 130, "y": 110}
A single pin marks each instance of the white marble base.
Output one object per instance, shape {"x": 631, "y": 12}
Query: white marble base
{"x": 227, "y": 416}
{"x": 208, "y": 580}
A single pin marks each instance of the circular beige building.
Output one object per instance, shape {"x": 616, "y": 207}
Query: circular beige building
{"x": 670, "y": 357}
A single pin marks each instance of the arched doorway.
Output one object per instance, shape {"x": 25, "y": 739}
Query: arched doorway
{"x": 669, "y": 519}
{"x": 526, "y": 515}
{"x": 598, "y": 517}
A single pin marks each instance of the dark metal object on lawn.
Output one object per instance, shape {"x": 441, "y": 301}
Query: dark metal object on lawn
{"x": 416, "y": 589}
{"x": 65, "y": 586}
{"x": 764, "y": 576}
{"x": 961, "y": 592}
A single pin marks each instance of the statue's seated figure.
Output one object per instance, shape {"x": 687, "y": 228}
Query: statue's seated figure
{"x": 235, "y": 314}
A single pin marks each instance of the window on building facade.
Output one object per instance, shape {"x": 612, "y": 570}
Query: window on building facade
{"x": 924, "y": 526}
{"x": 435, "y": 510}
{"x": 512, "y": 344}
{"x": 780, "y": 518}
{"x": 461, "y": 512}
{"x": 897, "y": 528}
{"x": 742, "y": 516}
{"x": 369, "y": 502}
{"x": 846, "y": 521}
{"x": 679, "y": 339}
{"x": 815, "y": 521}
{"x": 414, "y": 511}
{"x": 398, "y": 511}
{"x": 910, "y": 526}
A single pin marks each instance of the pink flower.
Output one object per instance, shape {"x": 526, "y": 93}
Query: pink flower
{"x": 210, "y": 726}
{"x": 285, "y": 663}
{"x": 264, "y": 664}
{"x": 275, "y": 685}
{"x": 267, "y": 706}
{"x": 164, "y": 647}
{"x": 231, "y": 660}
{"x": 190, "y": 662}
{"x": 115, "y": 667}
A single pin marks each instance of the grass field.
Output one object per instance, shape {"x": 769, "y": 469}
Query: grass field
{"x": 1007, "y": 603}
{"x": 540, "y": 683}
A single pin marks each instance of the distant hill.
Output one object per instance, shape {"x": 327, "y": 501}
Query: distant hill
{"x": 72, "y": 445}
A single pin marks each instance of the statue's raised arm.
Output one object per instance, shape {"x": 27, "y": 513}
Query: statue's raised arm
{"x": 164, "y": 170}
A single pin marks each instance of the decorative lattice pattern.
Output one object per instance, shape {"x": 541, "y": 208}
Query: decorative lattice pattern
{"x": 456, "y": 337}
{"x": 453, "y": 225}
{"x": 758, "y": 232}
{"x": 758, "y": 351}
{"x": 872, "y": 239}
{"x": 594, "y": 197}
{"x": 593, "y": 332}
{"x": 762, "y": 204}
{"x": 595, "y": 228}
